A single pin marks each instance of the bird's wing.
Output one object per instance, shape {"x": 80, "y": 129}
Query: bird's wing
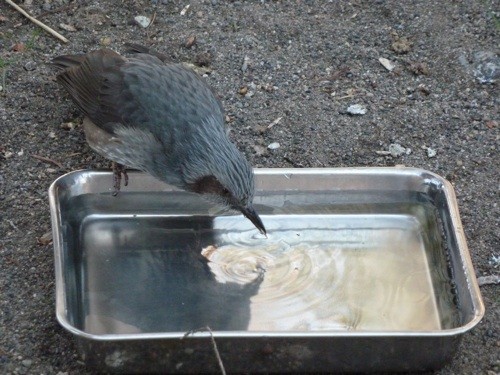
{"x": 91, "y": 80}
{"x": 141, "y": 92}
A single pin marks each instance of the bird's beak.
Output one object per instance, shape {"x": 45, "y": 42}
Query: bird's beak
{"x": 251, "y": 215}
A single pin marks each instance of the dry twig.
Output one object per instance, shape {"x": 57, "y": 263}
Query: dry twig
{"x": 47, "y": 160}
{"x": 35, "y": 21}
{"x": 214, "y": 345}
{"x": 150, "y": 24}
{"x": 274, "y": 122}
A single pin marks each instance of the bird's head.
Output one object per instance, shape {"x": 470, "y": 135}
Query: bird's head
{"x": 223, "y": 175}
{"x": 213, "y": 189}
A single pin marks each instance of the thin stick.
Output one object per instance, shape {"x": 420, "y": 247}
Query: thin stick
{"x": 35, "y": 21}
{"x": 274, "y": 122}
{"x": 214, "y": 345}
{"x": 47, "y": 160}
{"x": 150, "y": 23}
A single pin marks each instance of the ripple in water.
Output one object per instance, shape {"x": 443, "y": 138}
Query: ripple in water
{"x": 352, "y": 278}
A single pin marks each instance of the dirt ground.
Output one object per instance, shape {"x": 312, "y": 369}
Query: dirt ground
{"x": 305, "y": 62}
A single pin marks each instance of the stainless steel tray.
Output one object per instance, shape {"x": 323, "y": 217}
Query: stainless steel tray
{"x": 363, "y": 269}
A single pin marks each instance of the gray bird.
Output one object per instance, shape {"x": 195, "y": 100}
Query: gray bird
{"x": 162, "y": 119}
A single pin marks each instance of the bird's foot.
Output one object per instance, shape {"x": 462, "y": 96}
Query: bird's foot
{"x": 118, "y": 171}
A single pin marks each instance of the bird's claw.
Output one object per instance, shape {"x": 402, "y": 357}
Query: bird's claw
{"x": 118, "y": 171}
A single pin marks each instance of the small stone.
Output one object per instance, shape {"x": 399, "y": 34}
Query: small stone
{"x": 27, "y": 362}
{"x": 106, "y": 41}
{"x": 191, "y": 41}
{"x": 18, "y": 47}
{"x": 387, "y": 64}
{"x": 356, "y": 109}
{"x": 246, "y": 62}
{"x": 67, "y": 27}
{"x": 52, "y": 135}
{"x": 401, "y": 45}
{"x": 486, "y": 67}
{"x": 142, "y": 21}
{"x": 487, "y": 280}
{"x": 243, "y": 90}
{"x": 30, "y": 66}
{"x": 273, "y": 146}
{"x": 45, "y": 239}
{"x": 68, "y": 125}
{"x": 185, "y": 9}
{"x": 431, "y": 152}
{"x": 397, "y": 150}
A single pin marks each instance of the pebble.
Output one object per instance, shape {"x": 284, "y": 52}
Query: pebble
{"x": 190, "y": 41}
{"x": 431, "y": 152}
{"x": 389, "y": 65}
{"x": 486, "y": 67}
{"x": 142, "y": 21}
{"x": 356, "y": 109}
{"x": 68, "y": 125}
{"x": 397, "y": 150}
{"x": 401, "y": 45}
{"x": 273, "y": 146}
{"x": 67, "y": 27}
{"x": 185, "y": 9}
{"x": 246, "y": 61}
{"x": 29, "y": 66}
{"x": 487, "y": 280}
{"x": 27, "y": 362}
{"x": 106, "y": 41}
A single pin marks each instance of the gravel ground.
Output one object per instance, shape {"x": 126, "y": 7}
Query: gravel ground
{"x": 305, "y": 62}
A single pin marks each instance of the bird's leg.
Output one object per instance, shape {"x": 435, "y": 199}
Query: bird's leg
{"x": 118, "y": 170}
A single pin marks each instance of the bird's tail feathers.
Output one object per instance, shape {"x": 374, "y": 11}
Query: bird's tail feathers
{"x": 67, "y": 61}
{"x": 139, "y": 48}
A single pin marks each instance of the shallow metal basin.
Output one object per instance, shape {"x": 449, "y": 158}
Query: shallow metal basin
{"x": 363, "y": 269}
